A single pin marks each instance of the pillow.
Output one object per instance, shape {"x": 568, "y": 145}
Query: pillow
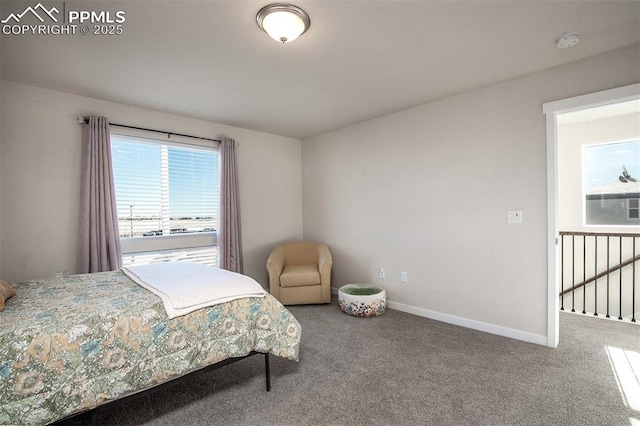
{"x": 6, "y": 292}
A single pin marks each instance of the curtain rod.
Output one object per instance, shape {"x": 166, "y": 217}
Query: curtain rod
{"x": 84, "y": 120}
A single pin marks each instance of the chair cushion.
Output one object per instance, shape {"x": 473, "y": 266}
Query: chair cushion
{"x": 299, "y": 275}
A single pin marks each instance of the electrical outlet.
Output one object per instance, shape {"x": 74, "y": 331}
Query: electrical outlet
{"x": 403, "y": 276}
{"x": 381, "y": 272}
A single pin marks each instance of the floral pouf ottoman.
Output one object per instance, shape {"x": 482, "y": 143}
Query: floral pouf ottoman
{"x": 362, "y": 300}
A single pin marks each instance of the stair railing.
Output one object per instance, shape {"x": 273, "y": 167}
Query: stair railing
{"x": 592, "y": 258}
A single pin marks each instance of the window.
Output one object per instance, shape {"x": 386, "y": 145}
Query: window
{"x": 634, "y": 209}
{"x": 167, "y": 196}
{"x": 611, "y": 181}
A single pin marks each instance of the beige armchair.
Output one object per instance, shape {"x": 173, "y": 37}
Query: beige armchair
{"x": 300, "y": 273}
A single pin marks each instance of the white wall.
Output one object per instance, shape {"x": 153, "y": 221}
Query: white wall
{"x": 40, "y": 173}
{"x": 427, "y": 191}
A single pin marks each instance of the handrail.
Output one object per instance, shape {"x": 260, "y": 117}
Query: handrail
{"x": 601, "y": 274}
{"x": 600, "y": 234}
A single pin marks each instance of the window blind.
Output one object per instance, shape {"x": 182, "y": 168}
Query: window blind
{"x": 167, "y": 194}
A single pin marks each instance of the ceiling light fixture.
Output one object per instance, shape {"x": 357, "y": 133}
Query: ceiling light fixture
{"x": 283, "y": 22}
{"x": 568, "y": 40}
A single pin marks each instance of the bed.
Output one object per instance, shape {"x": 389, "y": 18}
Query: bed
{"x": 74, "y": 342}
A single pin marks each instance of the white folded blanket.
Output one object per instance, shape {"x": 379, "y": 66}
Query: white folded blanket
{"x": 186, "y": 287}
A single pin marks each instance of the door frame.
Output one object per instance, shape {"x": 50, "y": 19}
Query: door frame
{"x": 551, "y": 111}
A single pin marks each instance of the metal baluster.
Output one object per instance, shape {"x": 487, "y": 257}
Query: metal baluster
{"x": 584, "y": 273}
{"x": 595, "y": 274}
{"x": 608, "y": 268}
{"x": 573, "y": 273}
{"x": 562, "y": 273}
{"x": 633, "y": 285}
{"x": 620, "y": 272}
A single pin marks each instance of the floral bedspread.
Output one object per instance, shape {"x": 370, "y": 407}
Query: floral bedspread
{"x": 73, "y": 342}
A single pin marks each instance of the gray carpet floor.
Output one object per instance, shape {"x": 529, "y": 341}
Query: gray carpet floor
{"x": 401, "y": 369}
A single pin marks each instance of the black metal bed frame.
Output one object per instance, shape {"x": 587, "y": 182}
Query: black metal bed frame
{"x": 84, "y": 417}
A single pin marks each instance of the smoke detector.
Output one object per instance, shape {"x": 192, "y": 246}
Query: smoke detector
{"x": 568, "y": 40}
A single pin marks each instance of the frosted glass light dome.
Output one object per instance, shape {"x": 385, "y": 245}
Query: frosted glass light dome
{"x": 283, "y": 22}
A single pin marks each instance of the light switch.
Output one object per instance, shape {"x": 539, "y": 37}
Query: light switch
{"x": 514, "y": 216}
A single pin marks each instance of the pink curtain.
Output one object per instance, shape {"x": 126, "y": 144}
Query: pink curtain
{"x": 99, "y": 246}
{"x": 229, "y": 237}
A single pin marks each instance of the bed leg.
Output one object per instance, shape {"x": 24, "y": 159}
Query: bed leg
{"x": 267, "y": 371}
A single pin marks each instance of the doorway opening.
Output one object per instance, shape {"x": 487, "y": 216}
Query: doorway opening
{"x": 560, "y": 116}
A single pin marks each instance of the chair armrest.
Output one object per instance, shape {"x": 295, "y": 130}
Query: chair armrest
{"x": 275, "y": 261}
{"x": 325, "y": 261}
{"x": 275, "y": 265}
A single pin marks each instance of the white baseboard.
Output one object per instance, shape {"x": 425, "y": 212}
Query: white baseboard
{"x": 465, "y": 322}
